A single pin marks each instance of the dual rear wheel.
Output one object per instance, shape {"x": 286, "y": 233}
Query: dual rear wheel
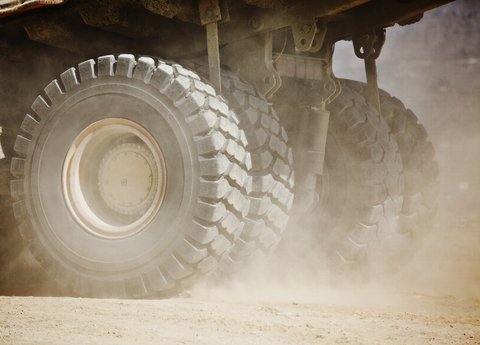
{"x": 377, "y": 193}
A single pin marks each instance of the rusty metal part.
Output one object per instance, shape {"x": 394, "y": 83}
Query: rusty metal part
{"x": 240, "y": 25}
{"x": 209, "y": 11}
{"x": 304, "y": 34}
{"x": 167, "y": 9}
{"x": 84, "y": 39}
{"x": 210, "y": 14}
{"x": 251, "y": 59}
{"x": 369, "y": 43}
{"x": 368, "y": 46}
{"x": 9, "y": 7}
{"x": 179, "y": 38}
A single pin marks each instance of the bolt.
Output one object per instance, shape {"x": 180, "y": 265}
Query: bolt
{"x": 306, "y": 28}
{"x": 255, "y": 23}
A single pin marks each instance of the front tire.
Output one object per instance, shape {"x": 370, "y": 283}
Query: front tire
{"x": 132, "y": 180}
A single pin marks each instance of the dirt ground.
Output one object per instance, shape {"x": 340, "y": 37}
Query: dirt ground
{"x": 291, "y": 298}
{"x": 404, "y": 319}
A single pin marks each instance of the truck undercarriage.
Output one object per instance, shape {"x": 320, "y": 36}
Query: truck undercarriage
{"x": 133, "y": 175}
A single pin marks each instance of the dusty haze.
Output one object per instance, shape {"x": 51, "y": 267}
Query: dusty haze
{"x": 434, "y": 68}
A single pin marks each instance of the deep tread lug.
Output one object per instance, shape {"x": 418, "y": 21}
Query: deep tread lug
{"x": 29, "y": 124}
{"x": 21, "y": 145}
{"x": 105, "y": 66}
{"x": 125, "y": 65}
{"x": 69, "y": 79}
{"x": 40, "y": 107}
{"x": 86, "y": 70}
{"x": 144, "y": 69}
{"x": 54, "y": 92}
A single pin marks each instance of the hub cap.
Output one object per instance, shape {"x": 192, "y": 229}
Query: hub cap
{"x": 128, "y": 179}
{"x": 114, "y": 178}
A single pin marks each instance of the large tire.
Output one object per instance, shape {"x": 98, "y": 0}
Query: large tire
{"x": 272, "y": 173}
{"x": 419, "y": 168}
{"x": 22, "y": 78}
{"x": 159, "y": 132}
{"x": 361, "y": 189}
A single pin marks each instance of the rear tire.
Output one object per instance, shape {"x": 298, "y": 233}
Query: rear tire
{"x": 419, "y": 168}
{"x": 361, "y": 189}
{"x": 272, "y": 174}
{"x": 145, "y": 128}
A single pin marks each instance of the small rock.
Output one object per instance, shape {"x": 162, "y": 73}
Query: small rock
{"x": 321, "y": 336}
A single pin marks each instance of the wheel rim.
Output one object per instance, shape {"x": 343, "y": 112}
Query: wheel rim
{"x": 113, "y": 178}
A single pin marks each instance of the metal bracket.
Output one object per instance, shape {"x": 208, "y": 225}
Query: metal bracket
{"x": 317, "y": 43}
{"x": 304, "y": 34}
{"x": 325, "y": 87}
{"x": 210, "y": 14}
{"x": 368, "y": 46}
{"x": 209, "y": 11}
{"x": 251, "y": 59}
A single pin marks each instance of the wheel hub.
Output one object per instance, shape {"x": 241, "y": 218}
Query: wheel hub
{"x": 128, "y": 179}
{"x": 114, "y": 178}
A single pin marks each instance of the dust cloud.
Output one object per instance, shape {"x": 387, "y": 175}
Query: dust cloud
{"x": 433, "y": 67}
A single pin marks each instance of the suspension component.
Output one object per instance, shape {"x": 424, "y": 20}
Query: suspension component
{"x": 314, "y": 85}
{"x": 255, "y": 51}
{"x": 368, "y": 47}
{"x": 210, "y": 15}
{"x": 310, "y": 153}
